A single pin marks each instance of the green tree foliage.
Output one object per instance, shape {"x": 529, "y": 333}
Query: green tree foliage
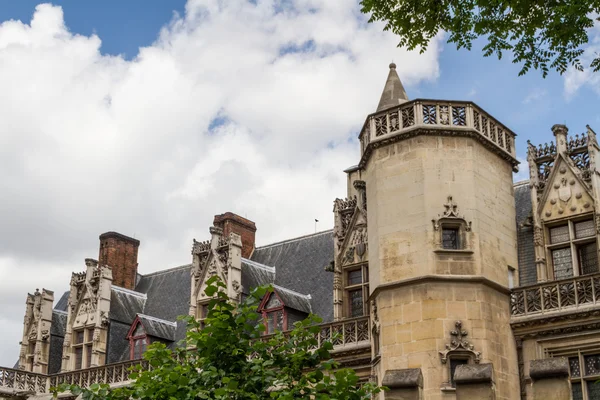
{"x": 230, "y": 359}
{"x": 544, "y": 35}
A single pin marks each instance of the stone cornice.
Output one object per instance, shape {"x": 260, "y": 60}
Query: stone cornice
{"x": 440, "y": 279}
{"x": 542, "y": 326}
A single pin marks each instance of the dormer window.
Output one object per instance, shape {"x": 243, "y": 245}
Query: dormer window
{"x": 277, "y": 316}
{"x": 273, "y": 313}
{"x": 138, "y": 343}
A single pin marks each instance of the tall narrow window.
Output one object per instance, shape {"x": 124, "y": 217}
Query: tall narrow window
{"x": 82, "y": 347}
{"x": 138, "y": 340}
{"x": 357, "y": 291}
{"x": 588, "y": 258}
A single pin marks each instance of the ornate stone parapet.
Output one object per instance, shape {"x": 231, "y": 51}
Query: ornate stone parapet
{"x": 550, "y": 297}
{"x": 439, "y": 117}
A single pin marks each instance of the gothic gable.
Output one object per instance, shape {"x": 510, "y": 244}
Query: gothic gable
{"x": 215, "y": 263}
{"x": 566, "y": 194}
{"x": 354, "y": 248}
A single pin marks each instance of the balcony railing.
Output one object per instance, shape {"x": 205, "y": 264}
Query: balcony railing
{"x": 342, "y": 334}
{"x": 15, "y": 382}
{"x": 437, "y": 114}
{"x": 565, "y": 294}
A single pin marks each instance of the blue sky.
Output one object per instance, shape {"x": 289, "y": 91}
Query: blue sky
{"x": 150, "y": 117}
{"x": 529, "y": 104}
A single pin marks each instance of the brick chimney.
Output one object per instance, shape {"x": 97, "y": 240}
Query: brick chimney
{"x": 231, "y": 222}
{"x": 120, "y": 253}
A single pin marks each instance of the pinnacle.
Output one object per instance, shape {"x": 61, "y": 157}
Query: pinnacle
{"x": 393, "y": 91}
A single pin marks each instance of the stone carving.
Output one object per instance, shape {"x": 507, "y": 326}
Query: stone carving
{"x": 237, "y": 288}
{"x": 200, "y": 247}
{"x": 451, "y": 212}
{"x": 459, "y": 344}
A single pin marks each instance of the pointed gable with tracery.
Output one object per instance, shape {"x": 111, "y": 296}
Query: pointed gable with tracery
{"x": 351, "y": 270}
{"x": 85, "y": 343}
{"x": 220, "y": 256}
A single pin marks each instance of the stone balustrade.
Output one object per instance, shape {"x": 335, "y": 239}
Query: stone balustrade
{"x": 571, "y": 293}
{"x": 14, "y": 382}
{"x": 457, "y": 116}
{"x": 342, "y": 334}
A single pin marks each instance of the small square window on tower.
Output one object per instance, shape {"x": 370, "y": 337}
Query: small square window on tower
{"x": 450, "y": 238}
{"x": 451, "y": 230}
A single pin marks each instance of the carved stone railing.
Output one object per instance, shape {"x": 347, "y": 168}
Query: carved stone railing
{"x": 454, "y": 116}
{"x": 547, "y": 297}
{"x": 343, "y": 334}
{"x": 111, "y": 374}
{"x": 14, "y": 382}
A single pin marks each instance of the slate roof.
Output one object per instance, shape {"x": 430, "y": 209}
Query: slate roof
{"x": 158, "y": 327}
{"x": 295, "y": 267}
{"x": 295, "y": 300}
{"x": 300, "y": 266}
{"x": 525, "y": 248}
{"x": 255, "y": 274}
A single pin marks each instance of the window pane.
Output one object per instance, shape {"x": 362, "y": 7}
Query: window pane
{"x": 139, "y": 330}
{"x": 559, "y": 234}
{"x": 592, "y": 364}
{"x": 366, "y": 269}
{"x": 450, "y": 238}
{"x": 453, "y": 364}
{"x": 355, "y": 277}
{"x": 78, "y": 357}
{"x": 588, "y": 258}
{"x": 273, "y": 302}
{"x": 356, "y": 303}
{"x": 90, "y": 335}
{"x": 575, "y": 367}
{"x": 270, "y": 323}
{"x": 576, "y": 390}
{"x": 279, "y": 320}
{"x": 593, "y": 390}
{"x": 563, "y": 266}
{"x": 78, "y": 337}
{"x": 585, "y": 229}
{"x": 88, "y": 355}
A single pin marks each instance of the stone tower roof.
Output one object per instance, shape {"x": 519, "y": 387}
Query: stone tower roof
{"x": 393, "y": 92}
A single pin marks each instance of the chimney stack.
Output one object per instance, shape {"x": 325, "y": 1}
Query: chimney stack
{"x": 120, "y": 253}
{"x": 231, "y": 222}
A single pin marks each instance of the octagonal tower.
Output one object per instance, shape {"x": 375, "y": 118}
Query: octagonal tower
{"x": 435, "y": 193}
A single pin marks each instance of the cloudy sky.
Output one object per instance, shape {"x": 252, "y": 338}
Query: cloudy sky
{"x": 149, "y": 117}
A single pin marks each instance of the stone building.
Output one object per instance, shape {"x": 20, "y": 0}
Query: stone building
{"x": 443, "y": 278}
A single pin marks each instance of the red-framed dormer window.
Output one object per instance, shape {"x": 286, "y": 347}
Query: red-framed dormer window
{"x": 273, "y": 312}
{"x": 138, "y": 339}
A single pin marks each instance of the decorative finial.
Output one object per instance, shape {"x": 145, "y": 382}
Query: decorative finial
{"x": 392, "y": 66}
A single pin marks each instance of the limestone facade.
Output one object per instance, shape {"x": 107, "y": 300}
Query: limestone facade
{"x": 441, "y": 278}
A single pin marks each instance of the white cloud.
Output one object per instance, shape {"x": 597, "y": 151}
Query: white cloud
{"x": 574, "y": 79}
{"x": 535, "y": 95}
{"x": 91, "y": 143}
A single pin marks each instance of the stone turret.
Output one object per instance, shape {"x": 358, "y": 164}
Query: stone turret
{"x": 441, "y": 233}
